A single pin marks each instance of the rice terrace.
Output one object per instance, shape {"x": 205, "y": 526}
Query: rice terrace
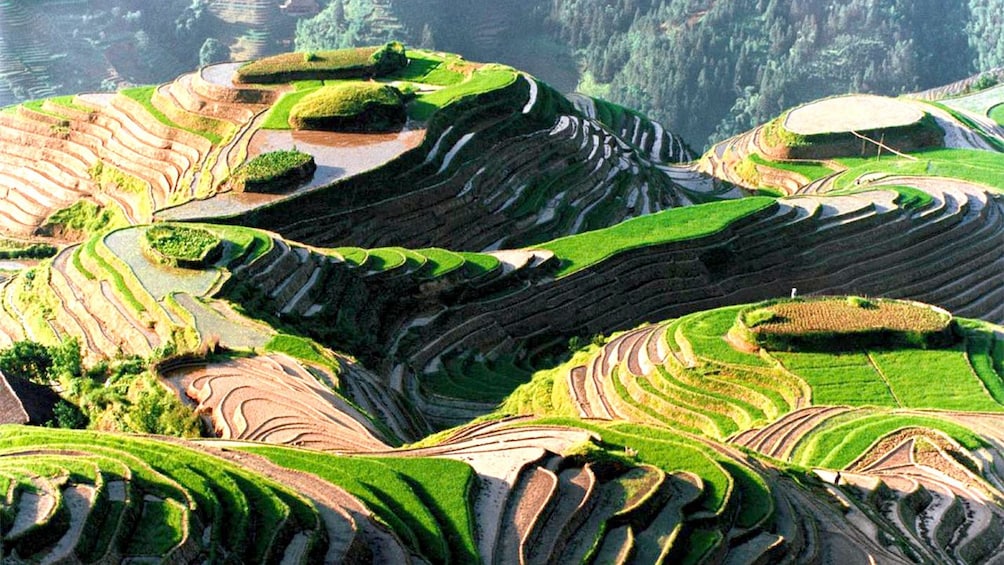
{"x": 385, "y": 304}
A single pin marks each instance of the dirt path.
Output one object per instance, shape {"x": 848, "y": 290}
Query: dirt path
{"x": 78, "y": 500}
{"x": 32, "y": 508}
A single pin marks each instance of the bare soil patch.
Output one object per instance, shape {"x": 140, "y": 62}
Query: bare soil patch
{"x": 859, "y": 112}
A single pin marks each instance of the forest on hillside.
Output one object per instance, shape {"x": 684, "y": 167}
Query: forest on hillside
{"x": 706, "y": 69}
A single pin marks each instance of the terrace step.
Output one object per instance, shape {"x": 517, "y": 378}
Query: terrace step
{"x": 274, "y": 399}
{"x": 653, "y": 543}
{"x": 529, "y": 497}
{"x": 610, "y": 502}
{"x": 573, "y": 503}
{"x": 779, "y": 438}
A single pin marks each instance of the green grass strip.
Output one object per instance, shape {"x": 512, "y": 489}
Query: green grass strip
{"x": 837, "y": 445}
{"x": 972, "y": 165}
{"x": 304, "y": 349}
{"x": 485, "y": 79}
{"x": 700, "y": 544}
{"x": 810, "y": 170}
{"x": 353, "y": 255}
{"x": 392, "y": 495}
{"x": 144, "y": 95}
{"x": 160, "y": 527}
{"x": 37, "y": 106}
{"x": 79, "y": 265}
{"x": 278, "y": 116}
{"x": 441, "y": 261}
{"x": 69, "y": 101}
{"x": 980, "y": 345}
{"x": 385, "y": 259}
{"x": 754, "y": 494}
{"x": 480, "y": 263}
{"x": 90, "y": 248}
{"x": 678, "y": 224}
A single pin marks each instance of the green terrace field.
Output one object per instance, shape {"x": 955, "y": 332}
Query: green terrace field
{"x": 709, "y": 386}
{"x": 578, "y": 252}
{"x": 429, "y": 263}
{"x": 979, "y": 167}
{"x": 844, "y": 438}
{"x": 903, "y": 377}
{"x": 811, "y": 170}
{"x": 144, "y": 95}
{"x": 169, "y": 494}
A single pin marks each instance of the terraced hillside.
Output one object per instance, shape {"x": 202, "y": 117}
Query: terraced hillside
{"x": 164, "y": 146}
{"x": 912, "y": 432}
{"x": 484, "y": 338}
{"x": 842, "y": 151}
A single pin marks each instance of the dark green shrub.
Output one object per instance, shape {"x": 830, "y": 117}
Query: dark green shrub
{"x": 67, "y": 416}
{"x": 28, "y": 360}
{"x": 984, "y": 82}
{"x": 860, "y": 302}
{"x": 83, "y": 217}
{"x": 28, "y": 251}
{"x": 389, "y": 58}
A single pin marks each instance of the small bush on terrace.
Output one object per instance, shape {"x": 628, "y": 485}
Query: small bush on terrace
{"x": 860, "y": 302}
{"x": 273, "y": 171}
{"x": 180, "y": 245}
{"x": 355, "y": 106}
